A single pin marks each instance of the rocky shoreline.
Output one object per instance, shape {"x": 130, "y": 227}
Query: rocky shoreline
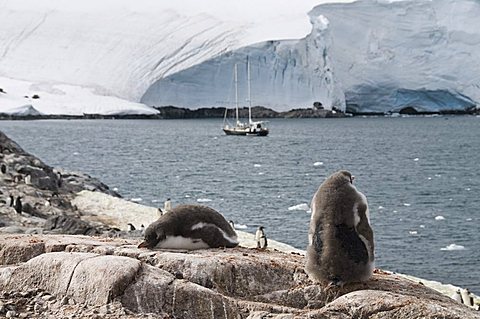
{"x": 258, "y": 112}
{"x": 66, "y": 254}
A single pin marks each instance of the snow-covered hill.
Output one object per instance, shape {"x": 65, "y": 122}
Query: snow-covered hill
{"x": 121, "y": 56}
{"x": 84, "y": 50}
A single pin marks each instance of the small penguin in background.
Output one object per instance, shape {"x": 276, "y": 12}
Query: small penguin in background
{"x": 261, "y": 238}
{"x": 131, "y": 227}
{"x": 159, "y": 212}
{"x": 457, "y": 296}
{"x": 12, "y": 200}
{"x": 4, "y": 169}
{"x": 341, "y": 247}
{"x": 232, "y": 224}
{"x": 167, "y": 206}
{"x": 18, "y": 205}
{"x": 28, "y": 179}
{"x": 467, "y": 297}
{"x": 142, "y": 229}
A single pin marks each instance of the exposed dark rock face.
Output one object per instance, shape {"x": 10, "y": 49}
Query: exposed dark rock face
{"x": 32, "y": 192}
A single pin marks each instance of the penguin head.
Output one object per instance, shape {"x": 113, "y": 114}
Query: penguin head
{"x": 339, "y": 179}
{"x": 153, "y": 235}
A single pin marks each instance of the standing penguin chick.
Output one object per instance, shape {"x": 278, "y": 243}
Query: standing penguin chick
{"x": 18, "y": 205}
{"x": 261, "y": 238}
{"x": 341, "y": 244}
{"x": 190, "y": 227}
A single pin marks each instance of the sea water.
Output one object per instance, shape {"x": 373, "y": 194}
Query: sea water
{"x": 420, "y": 175}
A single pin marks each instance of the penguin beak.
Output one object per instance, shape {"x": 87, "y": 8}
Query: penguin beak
{"x": 143, "y": 245}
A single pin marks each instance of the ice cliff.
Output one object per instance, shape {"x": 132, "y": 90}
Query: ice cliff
{"x": 390, "y": 55}
{"x": 121, "y": 57}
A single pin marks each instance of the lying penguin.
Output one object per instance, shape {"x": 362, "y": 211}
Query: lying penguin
{"x": 190, "y": 227}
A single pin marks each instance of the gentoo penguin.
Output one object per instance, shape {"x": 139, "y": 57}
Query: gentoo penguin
{"x": 466, "y": 297}
{"x": 190, "y": 227}
{"x": 12, "y": 200}
{"x": 4, "y": 169}
{"x": 261, "y": 238}
{"x": 131, "y": 227}
{"x": 28, "y": 179}
{"x": 159, "y": 212}
{"x": 167, "y": 206}
{"x": 340, "y": 248}
{"x": 457, "y": 296}
{"x": 232, "y": 224}
{"x": 18, "y": 205}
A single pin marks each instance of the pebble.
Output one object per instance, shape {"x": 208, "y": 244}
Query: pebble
{"x": 48, "y": 297}
{"x": 64, "y": 301}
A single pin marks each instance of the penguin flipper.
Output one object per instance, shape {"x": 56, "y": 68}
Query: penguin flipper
{"x": 317, "y": 239}
{"x": 213, "y": 237}
{"x": 351, "y": 243}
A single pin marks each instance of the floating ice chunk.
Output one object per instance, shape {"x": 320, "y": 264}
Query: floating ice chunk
{"x": 136, "y": 199}
{"x": 429, "y": 178}
{"x": 240, "y": 226}
{"x": 413, "y": 232}
{"x": 187, "y": 196}
{"x": 204, "y": 200}
{"x": 453, "y": 247}
{"x": 261, "y": 173}
{"x": 115, "y": 189}
{"x": 468, "y": 189}
{"x": 318, "y": 164}
{"x": 468, "y": 219}
{"x": 416, "y": 159}
{"x": 439, "y": 217}
{"x": 257, "y": 165}
{"x": 407, "y": 204}
{"x": 76, "y": 153}
{"x": 302, "y": 206}
{"x": 155, "y": 200}
{"x": 422, "y": 226}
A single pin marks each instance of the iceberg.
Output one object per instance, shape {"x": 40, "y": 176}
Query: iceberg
{"x": 302, "y": 206}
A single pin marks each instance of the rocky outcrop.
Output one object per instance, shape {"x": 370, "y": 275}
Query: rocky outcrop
{"x": 112, "y": 278}
{"x": 42, "y": 193}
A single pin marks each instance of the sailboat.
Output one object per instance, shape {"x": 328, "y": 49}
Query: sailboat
{"x": 255, "y": 128}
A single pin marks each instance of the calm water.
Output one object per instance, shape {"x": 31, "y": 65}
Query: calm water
{"x": 411, "y": 170}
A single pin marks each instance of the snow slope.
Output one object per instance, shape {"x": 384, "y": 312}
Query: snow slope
{"x": 108, "y": 56}
{"x": 119, "y": 48}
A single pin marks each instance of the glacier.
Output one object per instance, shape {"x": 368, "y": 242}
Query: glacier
{"x": 392, "y": 55}
{"x": 122, "y": 57}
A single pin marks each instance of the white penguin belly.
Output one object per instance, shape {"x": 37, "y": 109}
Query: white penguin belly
{"x": 180, "y": 242}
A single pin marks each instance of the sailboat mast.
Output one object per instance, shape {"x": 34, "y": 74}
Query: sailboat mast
{"x": 236, "y": 91}
{"x": 249, "y": 93}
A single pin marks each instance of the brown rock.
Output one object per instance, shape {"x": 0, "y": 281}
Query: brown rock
{"x": 214, "y": 283}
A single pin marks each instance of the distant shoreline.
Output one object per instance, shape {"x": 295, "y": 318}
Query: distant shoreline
{"x": 258, "y": 112}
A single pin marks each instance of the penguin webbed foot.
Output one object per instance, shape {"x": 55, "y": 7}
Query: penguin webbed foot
{"x": 334, "y": 283}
